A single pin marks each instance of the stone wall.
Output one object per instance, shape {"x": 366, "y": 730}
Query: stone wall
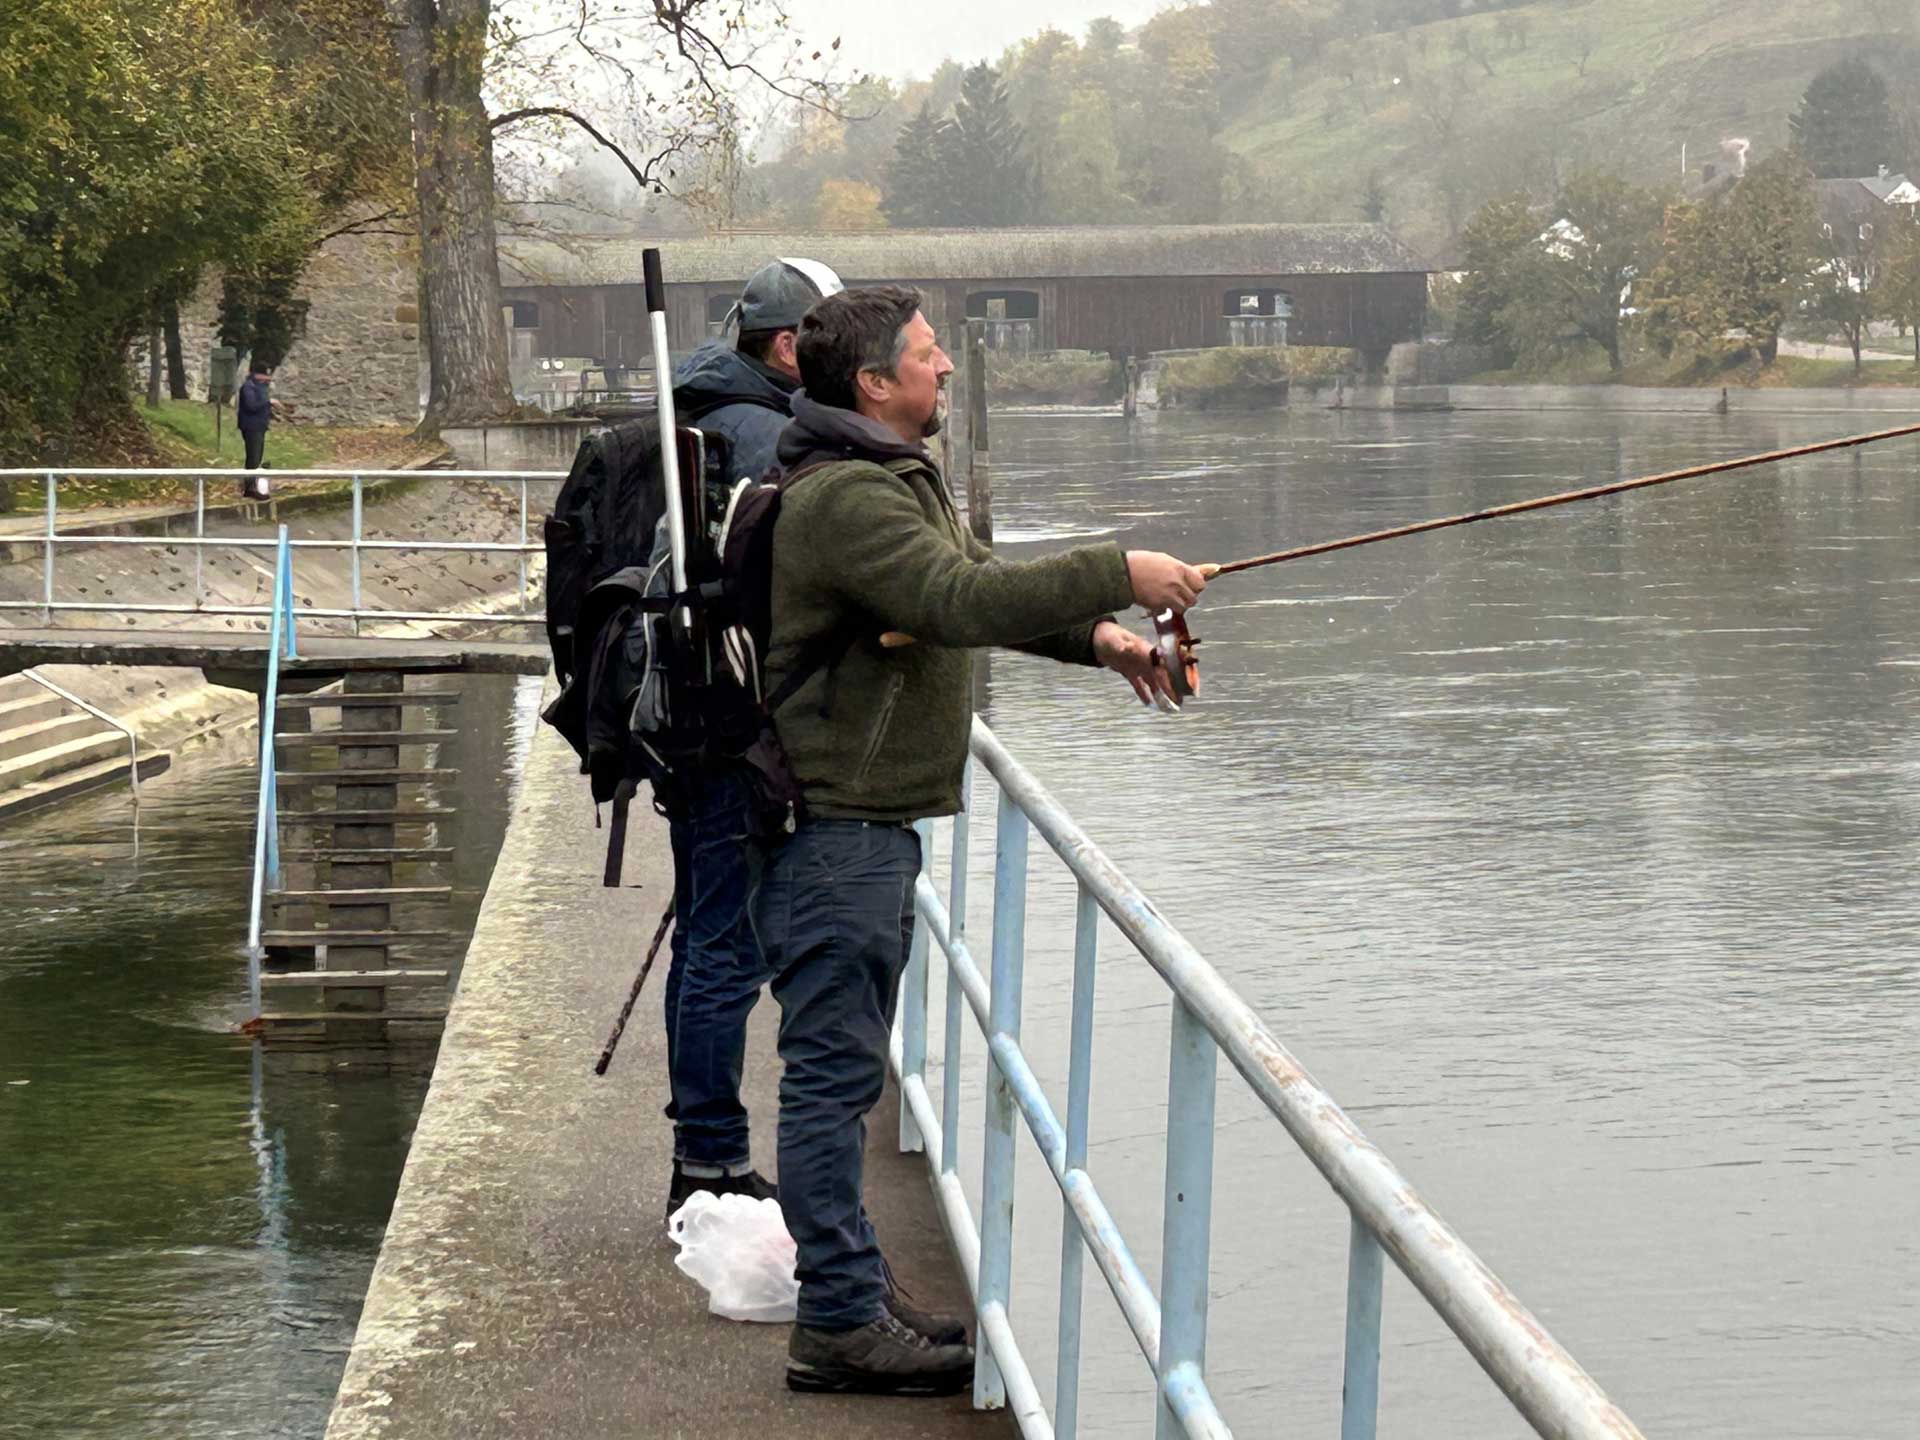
{"x": 360, "y": 361}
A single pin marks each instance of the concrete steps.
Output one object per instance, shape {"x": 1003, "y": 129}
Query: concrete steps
{"x": 50, "y": 750}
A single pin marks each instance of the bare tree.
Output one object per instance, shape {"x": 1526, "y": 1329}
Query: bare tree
{"x": 669, "y": 71}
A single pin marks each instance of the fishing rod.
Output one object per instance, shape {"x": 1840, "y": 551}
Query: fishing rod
{"x": 1174, "y": 643}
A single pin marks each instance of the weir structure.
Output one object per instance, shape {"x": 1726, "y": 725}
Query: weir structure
{"x": 343, "y": 886}
{"x": 525, "y": 1285}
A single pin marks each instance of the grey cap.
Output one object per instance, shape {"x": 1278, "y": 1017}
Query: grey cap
{"x": 781, "y": 291}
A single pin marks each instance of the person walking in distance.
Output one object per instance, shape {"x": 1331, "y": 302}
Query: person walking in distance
{"x": 255, "y": 414}
{"x": 868, "y": 541}
{"x": 741, "y": 391}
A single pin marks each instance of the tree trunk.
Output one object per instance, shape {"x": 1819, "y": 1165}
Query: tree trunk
{"x": 1856, "y": 337}
{"x": 442, "y": 50}
{"x": 176, "y": 357}
{"x": 1769, "y": 348}
{"x": 156, "y": 360}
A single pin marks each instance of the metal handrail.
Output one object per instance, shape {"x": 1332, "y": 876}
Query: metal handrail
{"x": 355, "y": 544}
{"x": 266, "y": 833}
{"x": 1538, "y": 1377}
{"x": 133, "y": 741}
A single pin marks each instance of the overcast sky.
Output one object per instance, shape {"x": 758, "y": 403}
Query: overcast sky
{"x": 899, "y": 39}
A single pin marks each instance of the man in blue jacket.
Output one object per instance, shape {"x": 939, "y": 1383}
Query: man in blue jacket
{"x": 255, "y": 412}
{"x": 740, "y": 390}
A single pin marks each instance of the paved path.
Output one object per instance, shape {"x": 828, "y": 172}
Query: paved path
{"x": 526, "y": 1287}
{"x": 238, "y": 652}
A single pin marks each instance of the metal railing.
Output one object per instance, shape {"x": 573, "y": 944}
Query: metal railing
{"x": 133, "y": 741}
{"x": 356, "y": 544}
{"x": 266, "y": 825}
{"x": 1539, "y": 1378}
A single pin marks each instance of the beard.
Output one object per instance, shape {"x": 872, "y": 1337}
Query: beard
{"x": 937, "y": 420}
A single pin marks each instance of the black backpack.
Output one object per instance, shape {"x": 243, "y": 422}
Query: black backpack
{"x": 603, "y": 521}
{"x": 606, "y": 625}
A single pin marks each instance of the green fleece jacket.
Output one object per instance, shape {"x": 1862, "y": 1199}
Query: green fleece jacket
{"x": 876, "y": 547}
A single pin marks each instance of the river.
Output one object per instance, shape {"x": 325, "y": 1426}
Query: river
{"x": 1573, "y": 853}
{"x": 184, "y": 1240}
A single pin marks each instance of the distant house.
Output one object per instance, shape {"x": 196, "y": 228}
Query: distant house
{"x": 1128, "y": 290}
{"x": 1849, "y": 207}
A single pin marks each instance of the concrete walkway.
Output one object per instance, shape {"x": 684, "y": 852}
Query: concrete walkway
{"x": 526, "y": 1286}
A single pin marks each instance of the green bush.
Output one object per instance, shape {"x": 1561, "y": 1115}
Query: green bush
{"x": 1067, "y": 378}
{"x": 1230, "y": 375}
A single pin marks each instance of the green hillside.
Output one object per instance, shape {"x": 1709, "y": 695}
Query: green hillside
{"x": 1449, "y": 114}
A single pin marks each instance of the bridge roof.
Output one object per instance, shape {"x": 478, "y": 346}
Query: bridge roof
{"x": 1061, "y": 252}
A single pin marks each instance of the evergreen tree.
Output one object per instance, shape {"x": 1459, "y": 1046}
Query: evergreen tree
{"x": 913, "y": 179}
{"x": 984, "y": 175}
{"x": 1844, "y": 126}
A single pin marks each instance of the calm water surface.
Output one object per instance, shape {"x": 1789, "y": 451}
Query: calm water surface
{"x": 184, "y": 1241}
{"x": 1575, "y": 854}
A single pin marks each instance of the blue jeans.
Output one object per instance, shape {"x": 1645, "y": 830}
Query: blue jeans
{"x": 833, "y": 907}
{"x": 715, "y": 976}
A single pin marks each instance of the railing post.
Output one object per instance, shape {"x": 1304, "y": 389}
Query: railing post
{"x": 1086, "y": 939}
{"x": 996, "y": 1184}
{"x": 913, "y": 1005}
{"x": 283, "y": 592}
{"x": 1360, "y": 1389}
{"x": 199, "y": 540}
{"x": 1188, "y": 1216}
{"x": 523, "y": 598}
{"x": 956, "y": 997}
{"x": 357, "y": 533}
{"x": 46, "y": 613}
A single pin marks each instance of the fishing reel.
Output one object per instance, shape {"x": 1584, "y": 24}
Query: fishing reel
{"x": 1173, "y": 651}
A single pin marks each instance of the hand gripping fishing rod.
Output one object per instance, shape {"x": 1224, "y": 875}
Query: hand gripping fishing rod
{"x": 1174, "y": 643}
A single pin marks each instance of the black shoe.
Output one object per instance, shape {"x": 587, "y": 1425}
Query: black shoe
{"x": 885, "y": 1357}
{"x": 940, "y": 1329}
{"x": 753, "y": 1185}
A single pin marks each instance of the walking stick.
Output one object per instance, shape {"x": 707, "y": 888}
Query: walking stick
{"x": 633, "y": 995}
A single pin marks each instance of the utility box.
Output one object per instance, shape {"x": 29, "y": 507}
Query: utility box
{"x": 223, "y": 367}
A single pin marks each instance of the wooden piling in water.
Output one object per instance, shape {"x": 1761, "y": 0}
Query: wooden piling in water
{"x": 979, "y": 467}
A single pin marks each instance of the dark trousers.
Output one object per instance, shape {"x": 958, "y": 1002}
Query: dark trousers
{"x": 256, "y": 447}
{"x": 833, "y": 907}
{"x": 715, "y": 977}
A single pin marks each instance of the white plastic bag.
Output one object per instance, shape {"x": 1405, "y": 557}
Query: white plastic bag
{"x": 739, "y": 1250}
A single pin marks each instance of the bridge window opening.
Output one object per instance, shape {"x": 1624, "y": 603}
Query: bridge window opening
{"x": 1257, "y": 317}
{"x": 1012, "y": 318}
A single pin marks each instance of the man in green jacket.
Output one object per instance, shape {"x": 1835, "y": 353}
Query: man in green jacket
{"x": 867, "y": 542}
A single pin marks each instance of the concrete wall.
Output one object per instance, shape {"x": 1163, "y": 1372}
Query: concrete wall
{"x": 517, "y": 445}
{"x": 1888, "y": 402}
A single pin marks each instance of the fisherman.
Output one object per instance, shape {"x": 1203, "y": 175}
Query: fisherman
{"x": 868, "y": 541}
{"x": 741, "y": 392}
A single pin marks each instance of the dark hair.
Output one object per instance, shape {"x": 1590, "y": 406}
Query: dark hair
{"x": 758, "y": 344}
{"x": 853, "y": 331}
